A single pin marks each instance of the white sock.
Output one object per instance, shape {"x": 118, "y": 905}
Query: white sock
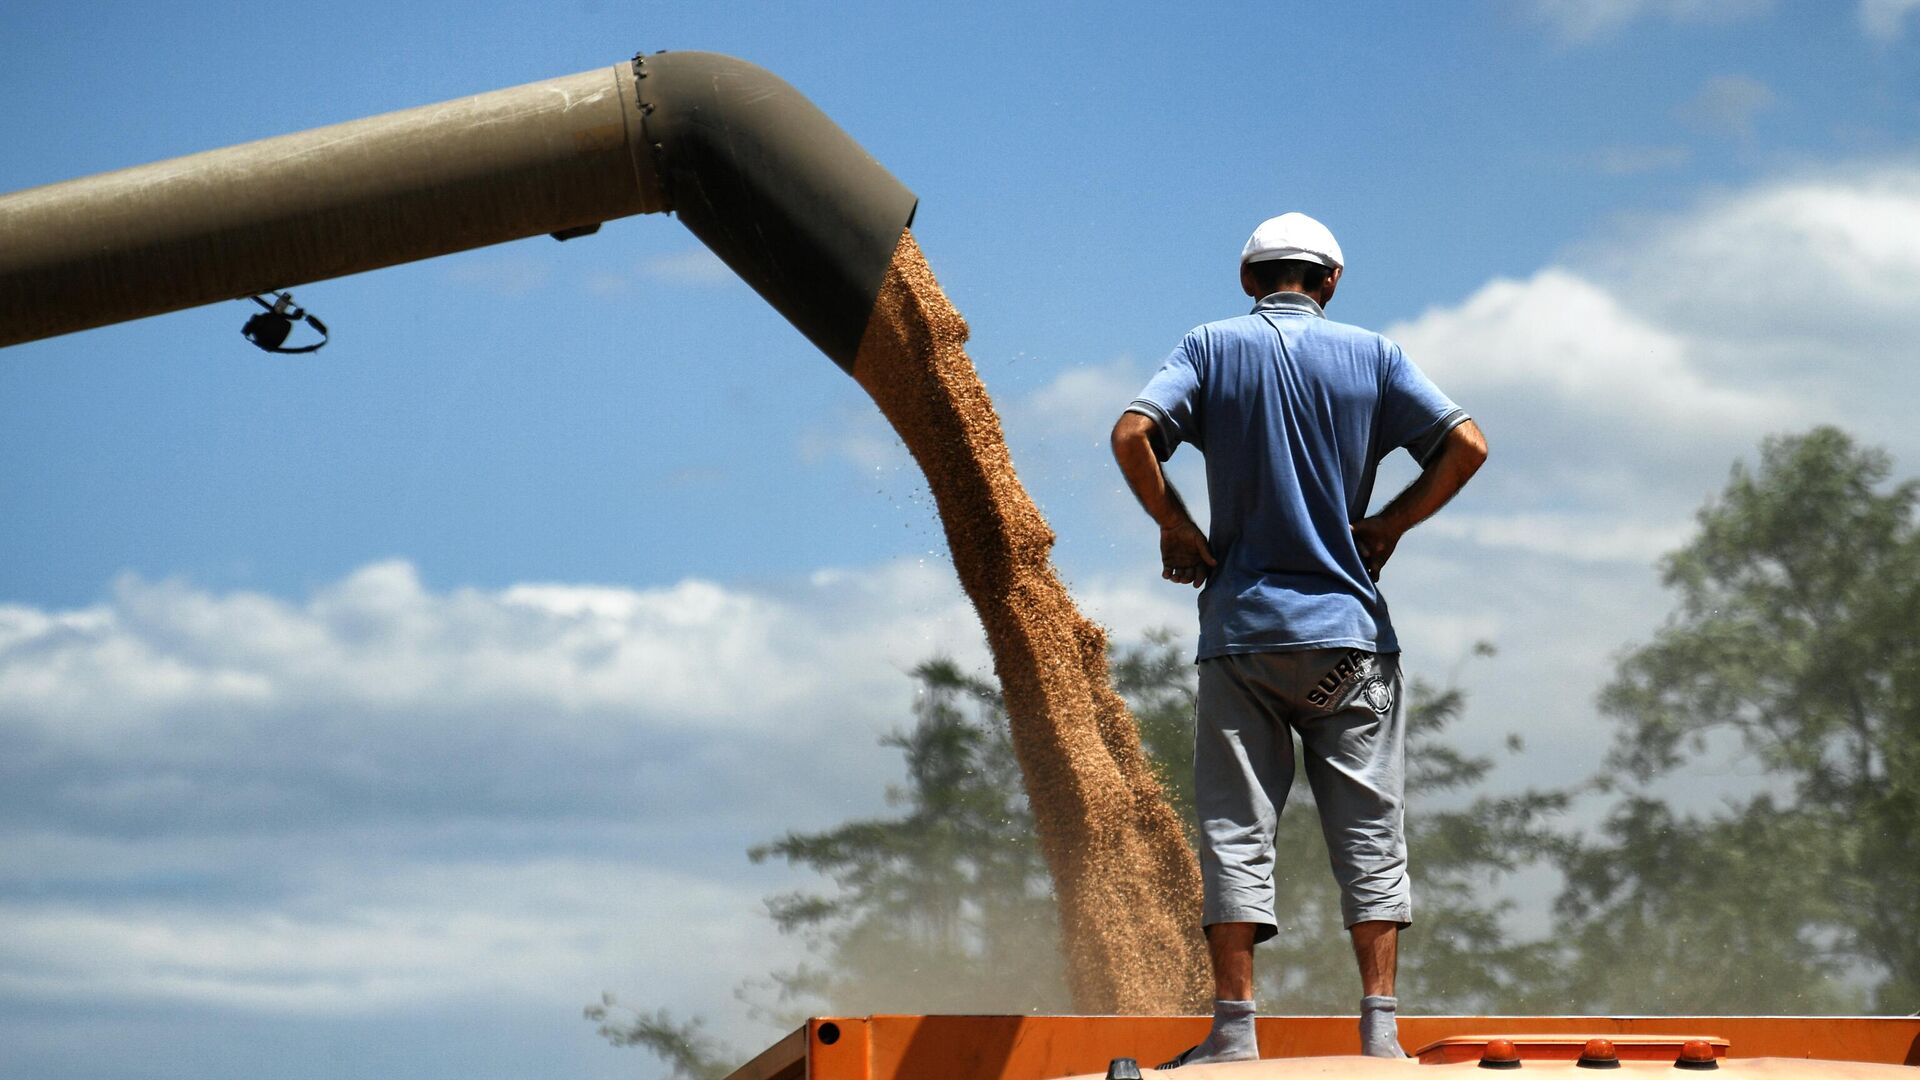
{"x": 1231, "y": 1039}
{"x": 1380, "y": 1028}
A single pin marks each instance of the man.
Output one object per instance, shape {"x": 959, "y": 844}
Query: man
{"x": 1293, "y": 413}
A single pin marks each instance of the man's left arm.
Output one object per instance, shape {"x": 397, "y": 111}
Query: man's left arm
{"x": 1460, "y": 455}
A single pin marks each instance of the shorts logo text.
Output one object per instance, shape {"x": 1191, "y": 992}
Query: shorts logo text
{"x": 1357, "y": 662}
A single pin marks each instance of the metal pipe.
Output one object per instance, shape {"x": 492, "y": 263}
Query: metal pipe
{"x": 779, "y": 192}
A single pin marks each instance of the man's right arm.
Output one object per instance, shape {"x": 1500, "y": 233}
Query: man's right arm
{"x": 1459, "y": 457}
{"x": 1184, "y": 556}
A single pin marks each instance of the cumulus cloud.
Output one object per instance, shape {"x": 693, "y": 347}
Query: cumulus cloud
{"x": 357, "y": 939}
{"x": 384, "y": 796}
{"x": 1588, "y": 405}
{"x": 377, "y": 679}
{"x": 160, "y": 654}
{"x": 861, "y": 438}
{"x": 1080, "y": 402}
{"x": 1802, "y": 288}
{"x": 239, "y": 800}
{"x": 1827, "y": 260}
{"x": 1727, "y": 105}
{"x": 694, "y": 266}
{"x": 1586, "y": 538}
{"x": 501, "y": 275}
{"x": 1617, "y": 387}
{"x": 1561, "y": 340}
{"x": 1885, "y": 20}
{"x": 1624, "y": 379}
{"x": 1058, "y": 433}
{"x": 1641, "y": 160}
{"x": 1582, "y": 21}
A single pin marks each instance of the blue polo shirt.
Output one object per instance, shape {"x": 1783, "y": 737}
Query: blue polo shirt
{"x": 1293, "y": 413}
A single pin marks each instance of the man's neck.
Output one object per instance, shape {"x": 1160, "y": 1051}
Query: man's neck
{"x": 1290, "y": 299}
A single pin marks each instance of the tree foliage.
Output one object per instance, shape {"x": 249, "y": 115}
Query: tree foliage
{"x": 945, "y": 906}
{"x": 1795, "y": 642}
{"x": 688, "y": 1051}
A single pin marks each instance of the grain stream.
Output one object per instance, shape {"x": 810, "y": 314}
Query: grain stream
{"x": 1125, "y": 879}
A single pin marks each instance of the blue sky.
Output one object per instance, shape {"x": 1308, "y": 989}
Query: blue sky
{"x": 373, "y": 711}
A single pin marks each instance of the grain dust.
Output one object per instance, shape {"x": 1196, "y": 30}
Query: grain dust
{"x": 1126, "y": 881}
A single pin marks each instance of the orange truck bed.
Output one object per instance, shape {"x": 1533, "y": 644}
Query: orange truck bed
{"x": 1050, "y": 1047}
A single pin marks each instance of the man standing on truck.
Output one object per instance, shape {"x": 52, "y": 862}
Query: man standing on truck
{"x": 1293, "y": 413}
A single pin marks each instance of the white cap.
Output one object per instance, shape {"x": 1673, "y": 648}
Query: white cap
{"x": 1292, "y": 236}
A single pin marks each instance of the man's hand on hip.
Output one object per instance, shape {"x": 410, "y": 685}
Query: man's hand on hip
{"x": 1460, "y": 456}
{"x": 1184, "y": 557}
{"x": 1376, "y": 540}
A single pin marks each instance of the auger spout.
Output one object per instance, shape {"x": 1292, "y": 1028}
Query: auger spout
{"x": 777, "y": 190}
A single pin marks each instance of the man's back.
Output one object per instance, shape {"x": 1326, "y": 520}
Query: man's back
{"x": 1293, "y": 413}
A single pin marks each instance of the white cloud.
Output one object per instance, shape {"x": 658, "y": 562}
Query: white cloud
{"x": 1801, "y": 289}
{"x": 861, "y": 439}
{"x": 1582, "y": 21}
{"x": 1058, "y": 433}
{"x": 694, "y": 266}
{"x": 163, "y": 655}
{"x": 387, "y": 796}
{"x": 1885, "y": 20}
{"x": 378, "y": 699}
{"x": 501, "y": 275}
{"x": 1585, "y": 538}
{"x": 1641, "y": 160}
{"x": 1831, "y": 260}
{"x": 1567, "y": 344}
{"x": 1080, "y": 402}
{"x": 353, "y": 939}
{"x": 1618, "y": 385}
{"x": 1727, "y": 104}
{"x": 384, "y": 798}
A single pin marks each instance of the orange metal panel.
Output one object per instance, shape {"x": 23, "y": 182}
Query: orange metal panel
{"x": 969, "y": 1047}
{"x": 839, "y": 1048}
{"x": 1565, "y": 1047}
{"x": 1893, "y": 1040}
{"x": 1048, "y": 1047}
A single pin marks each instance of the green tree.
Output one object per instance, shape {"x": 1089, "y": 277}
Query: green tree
{"x": 688, "y": 1051}
{"x": 1795, "y": 643}
{"x": 944, "y": 907}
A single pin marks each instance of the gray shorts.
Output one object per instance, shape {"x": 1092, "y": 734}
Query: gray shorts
{"x": 1345, "y": 703}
